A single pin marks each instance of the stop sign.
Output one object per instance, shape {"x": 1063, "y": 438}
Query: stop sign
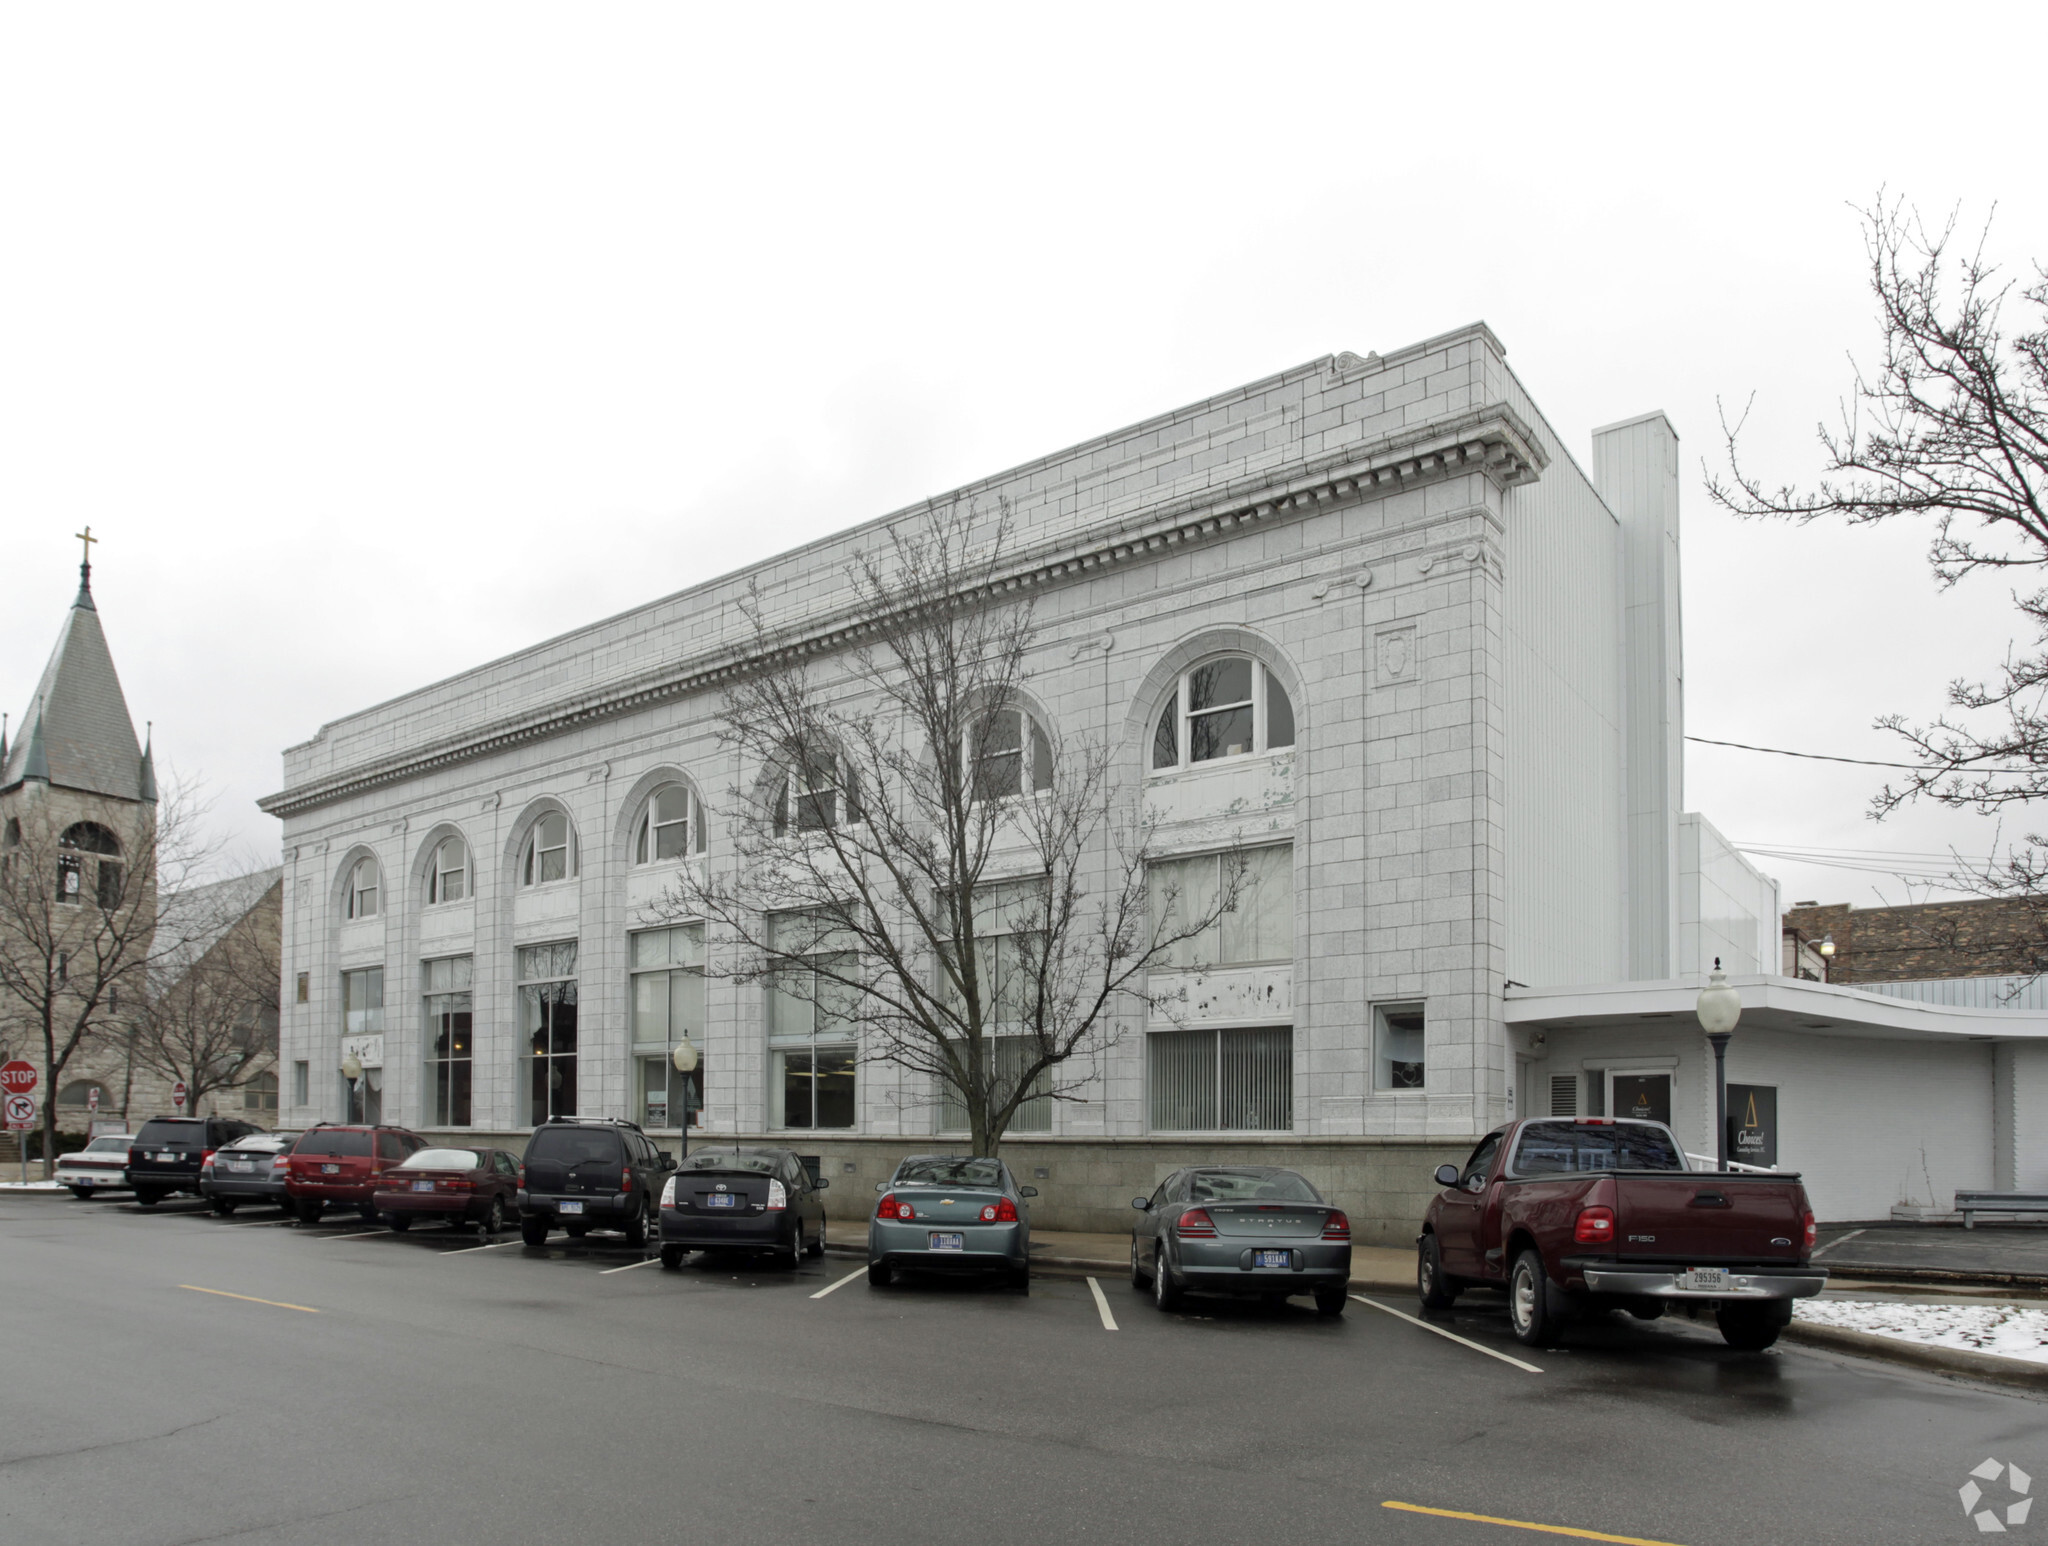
{"x": 178, "y": 1095}
{"x": 17, "y": 1078}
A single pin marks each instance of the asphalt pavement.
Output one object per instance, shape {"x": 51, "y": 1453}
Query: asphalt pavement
{"x": 170, "y": 1377}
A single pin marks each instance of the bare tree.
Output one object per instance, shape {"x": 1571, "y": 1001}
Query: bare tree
{"x": 82, "y": 921}
{"x": 1950, "y": 429}
{"x": 210, "y": 1015}
{"x": 921, "y": 863}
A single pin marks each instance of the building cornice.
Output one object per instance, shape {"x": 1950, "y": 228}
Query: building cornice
{"x": 1492, "y": 441}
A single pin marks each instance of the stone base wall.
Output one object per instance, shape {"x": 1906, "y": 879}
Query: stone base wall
{"x": 1087, "y": 1184}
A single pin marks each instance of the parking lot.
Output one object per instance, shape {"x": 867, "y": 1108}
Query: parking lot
{"x": 172, "y": 1376}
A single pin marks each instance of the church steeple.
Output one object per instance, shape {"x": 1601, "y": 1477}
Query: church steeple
{"x": 79, "y": 735}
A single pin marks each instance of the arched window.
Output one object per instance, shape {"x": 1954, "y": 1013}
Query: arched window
{"x": 1007, "y": 753}
{"x": 1231, "y": 706}
{"x": 672, "y": 826}
{"x": 362, "y": 889}
{"x": 78, "y": 876}
{"x": 79, "y": 1093}
{"x": 448, "y": 875}
{"x": 814, "y": 795}
{"x": 550, "y": 851}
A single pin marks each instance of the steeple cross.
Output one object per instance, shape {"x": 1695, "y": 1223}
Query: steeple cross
{"x": 88, "y": 539}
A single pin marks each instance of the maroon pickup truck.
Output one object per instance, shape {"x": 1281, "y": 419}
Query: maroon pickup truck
{"x": 1577, "y": 1216}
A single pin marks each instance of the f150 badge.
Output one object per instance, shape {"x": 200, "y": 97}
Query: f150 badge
{"x": 1642, "y": 1239}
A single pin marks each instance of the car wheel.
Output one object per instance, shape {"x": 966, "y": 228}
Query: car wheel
{"x": 401, "y": 1222}
{"x": 147, "y": 1199}
{"x": 534, "y": 1231}
{"x": 1166, "y": 1293}
{"x": 1330, "y": 1302}
{"x": 817, "y": 1247}
{"x": 494, "y": 1217}
{"x": 636, "y": 1226}
{"x": 82, "y": 1193}
{"x": 1138, "y": 1278}
{"x": 671, "y": 1258}
{"x": 310, "y": 1209}
{"x": 1436, "y": 1294}
{"x": 224, "y": 1206}
{"x": 1533, "y": 1308}
{"x": 1020, "y": 1278}
{"x": 1750, "y": 1328}
{"x": 880, "y": 1274}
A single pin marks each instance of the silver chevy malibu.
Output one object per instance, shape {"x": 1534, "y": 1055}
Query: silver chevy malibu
{"x": 1241, "y": 1229}
{"x": 950, "y": 1213}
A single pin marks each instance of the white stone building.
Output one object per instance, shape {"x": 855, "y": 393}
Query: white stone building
{"x": 1459, "y": 658}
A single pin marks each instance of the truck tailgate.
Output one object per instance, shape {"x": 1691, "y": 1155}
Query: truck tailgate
{"x": 1706, "y": 1218}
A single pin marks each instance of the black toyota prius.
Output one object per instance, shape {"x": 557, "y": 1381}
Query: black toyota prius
{"x": 742, "y": 1199}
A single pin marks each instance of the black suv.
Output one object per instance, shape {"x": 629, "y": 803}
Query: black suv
{"x": 168, "y": 1153}
{"x": 589, "y": 1173}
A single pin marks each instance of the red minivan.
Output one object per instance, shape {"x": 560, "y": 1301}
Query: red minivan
{"x": 341, "y": 1164}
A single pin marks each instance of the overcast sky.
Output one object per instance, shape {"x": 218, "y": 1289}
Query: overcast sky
{"x": 377, "y": 341}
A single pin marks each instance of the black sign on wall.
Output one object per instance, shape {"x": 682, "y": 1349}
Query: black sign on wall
{"x": 1646, "y": 1097}
{"x": 1753, "y": 1124}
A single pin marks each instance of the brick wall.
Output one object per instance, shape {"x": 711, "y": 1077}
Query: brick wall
{"x": 1993, "y": 937}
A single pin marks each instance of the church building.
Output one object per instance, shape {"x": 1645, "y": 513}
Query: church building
{"x": 1452, "y": 654}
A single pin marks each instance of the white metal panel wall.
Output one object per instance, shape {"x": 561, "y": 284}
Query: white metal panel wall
{"x": 1635, "y": 466}
{"x": 1563, "y": 795}
{"x": 1727, "y": 907}
{"x": 1967, "y": 992}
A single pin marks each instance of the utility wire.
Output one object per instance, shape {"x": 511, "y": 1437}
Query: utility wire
{"x": 1863, "y": 762}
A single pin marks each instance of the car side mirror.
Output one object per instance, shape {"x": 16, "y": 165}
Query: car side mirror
{"x": 881, "y": 1186}
{"x": 668, "y": 1162}
{"x": 1142, "y": 1204}
{"x": 1027, "y": 1191}
{"x": 1447, "y": 1175}
{"x": 821, "y": 1183}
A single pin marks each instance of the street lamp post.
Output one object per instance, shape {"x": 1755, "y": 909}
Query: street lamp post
{"x": 1719, "y": 1007}
{"x": 685, "y": 1060}
{"x": 352, "y": 1071}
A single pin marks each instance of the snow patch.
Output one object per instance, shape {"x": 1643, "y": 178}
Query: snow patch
{"x": 2007, "y": 1330}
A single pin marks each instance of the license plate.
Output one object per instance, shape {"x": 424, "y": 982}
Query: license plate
{"x": 242, "y": 1165}
{"x": 572, "y": 1207}
{"x": 423, "y": 1186}
{"x": 165, "y": 1159}
{"x": 1703, "y": 1279}
{"x": 947, "y": 1242}
{"x": 1272, "y": 1258}
{"x": 721, "y": 1200}
{"x": 330, "y": 1170}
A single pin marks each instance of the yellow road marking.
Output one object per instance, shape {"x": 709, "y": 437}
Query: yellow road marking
{"x": 1524, "y": 1524}
{"x": 275, "y": 1304}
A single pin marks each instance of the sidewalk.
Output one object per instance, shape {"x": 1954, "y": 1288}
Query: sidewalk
{"x": 2003, "y": 1256}
{"x": 1062, "y": 1250}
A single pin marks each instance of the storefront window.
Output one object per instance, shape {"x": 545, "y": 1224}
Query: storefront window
{"x": 447, "y": 991}
{"x": 547, "y": 1020}
{"x": 667, "y": 967}
{"x": 1397, "y": 1047}
{"x": 810, "y": 1032}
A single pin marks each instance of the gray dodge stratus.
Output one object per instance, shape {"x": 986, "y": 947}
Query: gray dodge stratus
{"x": 948, "y": 1213}
{"x": 1240, "y": 1229}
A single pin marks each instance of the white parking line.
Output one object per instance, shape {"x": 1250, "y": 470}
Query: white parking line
{"x": 1102, "y": 1305}
{"x": 264, "y": 1224}
{"x": 1452, "y": 1335}
{"x": 499, "y": 1246}
{"x": 1851, "y": 1235}
{"x": 608, "y": 1271}
{"x": 857, "y": 1272}
{"x": 366, "y": 1234}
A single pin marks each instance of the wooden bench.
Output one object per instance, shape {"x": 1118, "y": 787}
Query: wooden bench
{"x": 1970, "y": 1204}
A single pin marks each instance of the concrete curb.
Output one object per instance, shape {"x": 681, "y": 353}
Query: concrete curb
{"x": 1933, "y": 1277}
{"x": 1920, "y": 1355}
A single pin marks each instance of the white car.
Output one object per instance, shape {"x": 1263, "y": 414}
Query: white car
{"x": 101, "y": 1165}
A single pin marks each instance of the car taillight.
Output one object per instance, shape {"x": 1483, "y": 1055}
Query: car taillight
{"x": 1336, "y": 1226}
{"x": 1807, "y": 1225}
{"x": 280, "y": 1162}
{"x": 205, "y": 1158}
{"x": 460, "y": 1184}
{"x": 778, "y": 1196}
{"x": 1593, "y": 1122}
{"x": 668, "y": 1192}
{"x": 890, "y": 1208}
{"x": 1595, "y": 1226}
{"x": 625, "y": 1178}
{"x": 1195, "y": 1224}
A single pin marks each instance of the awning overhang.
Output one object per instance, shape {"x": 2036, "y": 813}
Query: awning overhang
{"x": 1768, "y": 1003}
